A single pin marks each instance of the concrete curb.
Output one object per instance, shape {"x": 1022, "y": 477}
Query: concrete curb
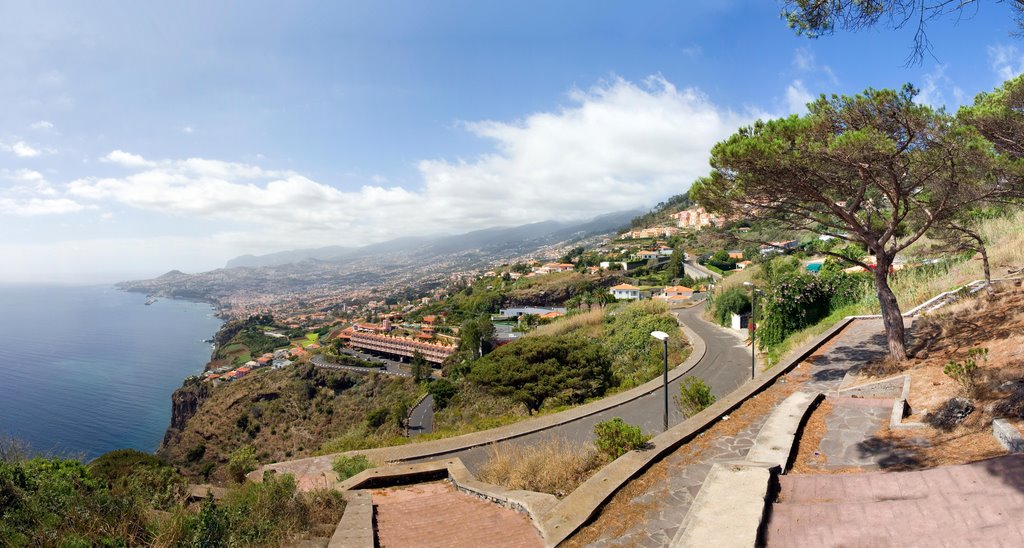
{"x": 774, "y": 443}
{"x": 1008, "y": 435}
{"x": 355, "y": 530}
{"x": 438, "y": 448}
{"x": 900, "y": 408}
{"x": 731, "y": 503}
{"x": 729, "y": 508}
{"x": 581, "y": 505}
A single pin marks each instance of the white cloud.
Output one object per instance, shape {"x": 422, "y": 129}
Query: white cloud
{"x": 1006, "y": 61}
{"x": 693, "y": 51}
{"x": 42, "y": 125}
{"x": 187, "y": 130}
{"x": 797, "y": 97}
{"x": 619, "y": 145}
{"x": 803, "y": 59}
{"x": 39, "y": 206}
{"x": 21, "y": 149}
{"x": 934, "y": 88}
{"x": 806, "y": 64}
{"x": 126, "y": 159}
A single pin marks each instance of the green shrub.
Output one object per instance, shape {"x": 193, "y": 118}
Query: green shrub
{"x": 734, "y": 300}
{"x": 694, "y": 396}
{"x": 346, "y": 466}
{"x": 963, "y": 372}
{"x": 442, "y": 391}
{"x": 377, "y": 418}
{"x": 241, "y": 462}
{"x": 615, "y": 437}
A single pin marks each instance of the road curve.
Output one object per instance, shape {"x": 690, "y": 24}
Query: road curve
{"x": 725, "y": 366}
{"x": 421, "y": 419}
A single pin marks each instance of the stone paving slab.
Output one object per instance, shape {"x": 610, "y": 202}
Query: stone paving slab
{"x": 976, "y": 504}
{"x": 847, "y": 426}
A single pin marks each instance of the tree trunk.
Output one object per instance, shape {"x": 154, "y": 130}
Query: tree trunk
{"x": 892, "y": 318}
{"x": 988, "y": 272}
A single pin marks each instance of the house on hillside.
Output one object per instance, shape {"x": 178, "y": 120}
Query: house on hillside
{"x": 743, "y": 264}
{"x": 625, "y": 291}
{"x": 677, "y": 291}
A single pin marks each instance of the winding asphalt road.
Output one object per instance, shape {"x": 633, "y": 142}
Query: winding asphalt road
{"x": 725, "y": 366}
{"x": 421, "y": 419}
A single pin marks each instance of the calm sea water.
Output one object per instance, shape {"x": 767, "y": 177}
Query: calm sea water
{"x": 89, "y": 369}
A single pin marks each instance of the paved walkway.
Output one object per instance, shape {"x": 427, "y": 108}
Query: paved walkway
{"x": 851, "y": 422}
{"x": 672, "y": 484}
{"x": 977, "y": 504}
{"x": 435, "y": 514}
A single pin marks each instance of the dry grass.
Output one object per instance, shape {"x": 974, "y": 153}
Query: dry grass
{"x": 571, "y": 323}
{"x": 556, "y": 466}
{"x": 1004, "y": 248}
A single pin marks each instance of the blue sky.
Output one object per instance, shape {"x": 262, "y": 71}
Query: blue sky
{"x": 137, "y": 138}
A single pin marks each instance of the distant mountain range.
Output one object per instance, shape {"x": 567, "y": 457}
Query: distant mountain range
{"x": 406, "y": 265}
{"x": 487, "y": 242}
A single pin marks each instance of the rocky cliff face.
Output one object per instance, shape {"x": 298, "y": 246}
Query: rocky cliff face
{"x": 185, "y": 402}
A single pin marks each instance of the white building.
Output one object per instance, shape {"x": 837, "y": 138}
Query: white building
{"x": 625, "y": 291}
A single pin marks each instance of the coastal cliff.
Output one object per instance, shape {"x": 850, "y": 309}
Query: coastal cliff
{"x": 185, "y": 403}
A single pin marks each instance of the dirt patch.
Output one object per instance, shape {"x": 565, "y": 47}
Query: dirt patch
{"x": 808, "y": 458}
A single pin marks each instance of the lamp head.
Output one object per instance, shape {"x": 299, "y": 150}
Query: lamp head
{"x": 660, "y": 335}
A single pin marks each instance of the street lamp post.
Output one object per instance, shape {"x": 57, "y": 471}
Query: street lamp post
{"x": 663, "y": 337}
{"x": 753, "y": 327}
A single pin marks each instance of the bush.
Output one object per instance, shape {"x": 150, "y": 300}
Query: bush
{"x": 442, "y": 390}
{"x": 241, "y": 462}
{"x": 377, "y": 418}
{"x": 533, "y": 369}
{"x": 732, "y": 301}
{"x": 963, "y": 372}
{"x": 694, "y": 396}
{"x": 346, "y": 466}
{"x": 615, "y": 437}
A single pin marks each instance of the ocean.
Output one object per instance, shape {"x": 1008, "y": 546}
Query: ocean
{"x": 85, "y": 370}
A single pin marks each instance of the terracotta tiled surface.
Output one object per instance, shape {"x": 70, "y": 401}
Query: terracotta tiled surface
{"x": 435, "y": 514}
{"x": 977, "y": 504}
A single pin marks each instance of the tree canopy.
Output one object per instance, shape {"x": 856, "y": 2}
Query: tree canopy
{"x": 815, "y": 18}
{"x": 999, "y": 116}
{"x": 874, "y": 168}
